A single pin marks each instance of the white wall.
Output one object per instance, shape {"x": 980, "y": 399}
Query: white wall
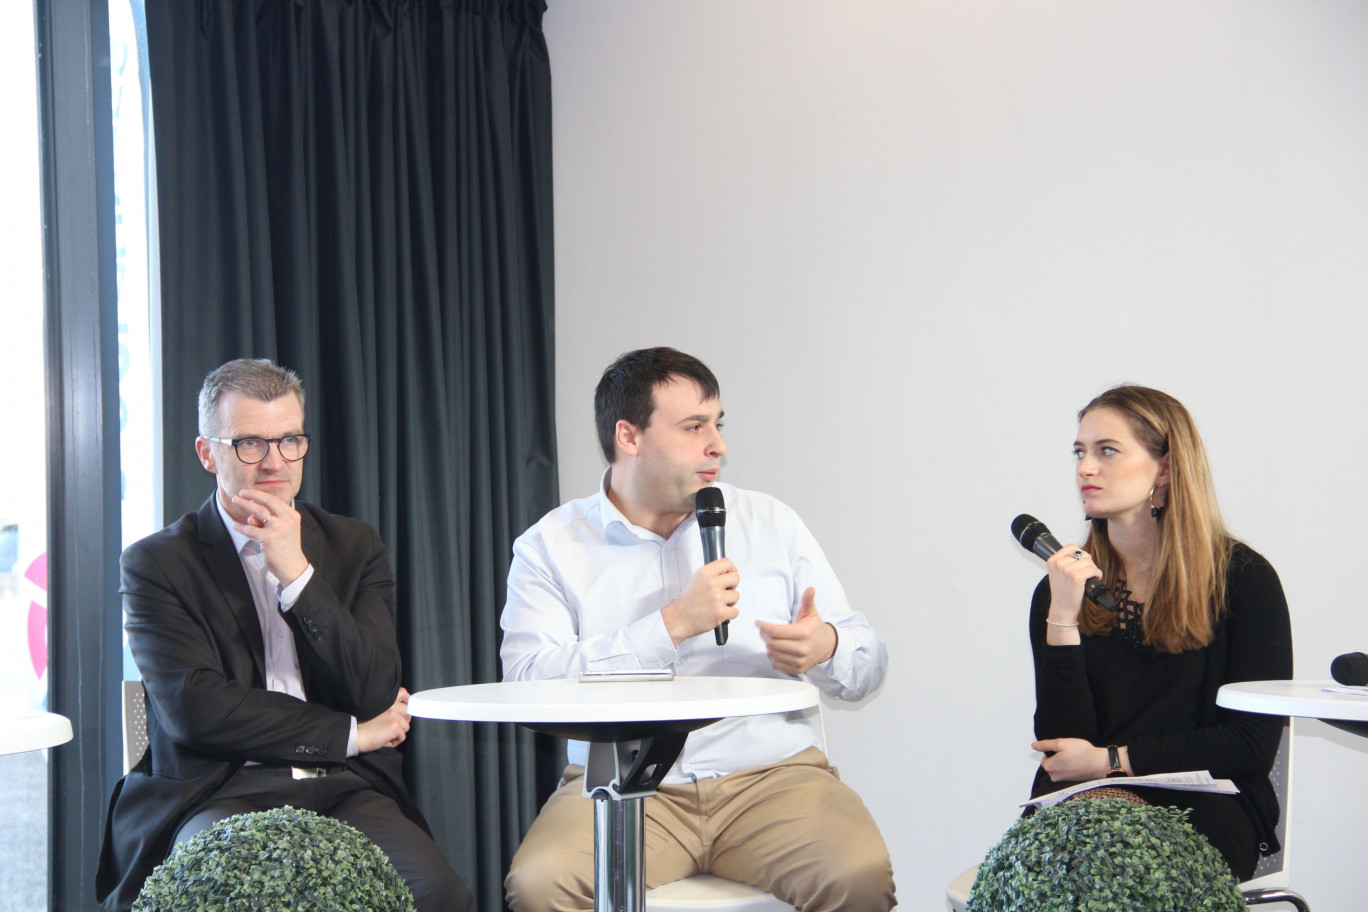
{"x": 912, "y": 238}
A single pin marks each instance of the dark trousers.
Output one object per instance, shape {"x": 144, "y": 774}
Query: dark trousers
{"x": 349, "y": 798}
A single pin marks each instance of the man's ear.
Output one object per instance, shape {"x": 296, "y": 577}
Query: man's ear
{"x": 627, "y": 437}
{"x": 205, "y": 451}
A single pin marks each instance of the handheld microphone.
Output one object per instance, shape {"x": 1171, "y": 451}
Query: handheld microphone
{"x": 1034, "y": 537}
{"x": 711, "y": 511}
{"x": 1350, "y": 669}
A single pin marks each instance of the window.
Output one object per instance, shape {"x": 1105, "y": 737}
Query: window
{"x": 23, "y": 494}
{"x": 135, "y": 244}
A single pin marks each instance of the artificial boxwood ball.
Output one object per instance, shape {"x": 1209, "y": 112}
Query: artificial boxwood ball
{"x": 281, "y": 860}
{"x": 1104, "y": 855}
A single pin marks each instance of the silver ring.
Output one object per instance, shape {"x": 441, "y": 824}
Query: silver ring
{"x": 1077, "y": 555}
{"x": 269, "y": 517}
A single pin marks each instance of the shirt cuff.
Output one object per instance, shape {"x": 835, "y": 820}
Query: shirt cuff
{"x": 651, "y": 642}
{"x": 352, "y": 749}
{"x": 842, "y": 661}
{"x": 288, "y": 595}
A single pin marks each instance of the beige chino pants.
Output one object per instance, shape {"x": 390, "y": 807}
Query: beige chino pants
{"x": 792, "y": 828}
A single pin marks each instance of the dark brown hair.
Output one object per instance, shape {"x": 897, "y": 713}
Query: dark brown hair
{"x": 626, "y": 391}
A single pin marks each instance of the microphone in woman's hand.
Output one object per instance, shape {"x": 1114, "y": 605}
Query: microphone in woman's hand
{"x": 1034, "y": 537}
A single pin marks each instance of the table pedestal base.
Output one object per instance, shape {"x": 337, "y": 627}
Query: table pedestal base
{"x": 619, "y": 777}
{"x": 619, "y": 862}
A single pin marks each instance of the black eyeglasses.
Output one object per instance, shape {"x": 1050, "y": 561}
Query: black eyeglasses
{"x": 252, "y": 450}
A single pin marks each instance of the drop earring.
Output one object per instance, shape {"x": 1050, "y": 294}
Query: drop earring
{"x": 1154, "y": 511}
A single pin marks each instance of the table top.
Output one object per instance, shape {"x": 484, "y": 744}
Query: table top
{"x": 570, "y": 701}
{"x": 1293, "y": 698}
{"x": 33, "y": 730}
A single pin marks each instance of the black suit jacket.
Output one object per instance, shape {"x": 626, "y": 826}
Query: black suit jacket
{"x": 194, "y": 633}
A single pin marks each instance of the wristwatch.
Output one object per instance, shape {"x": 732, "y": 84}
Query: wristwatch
{"x": 1114, "y": 768}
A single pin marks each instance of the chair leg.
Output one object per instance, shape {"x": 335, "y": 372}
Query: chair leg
{"x": 1260, "y": 897}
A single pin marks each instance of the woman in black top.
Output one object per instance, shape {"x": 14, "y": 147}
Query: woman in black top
{"x": 1135, "y": 690}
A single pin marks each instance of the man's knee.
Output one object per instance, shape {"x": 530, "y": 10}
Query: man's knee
{"x": 856, "y": 883}
{"x": 441, "y": 890}
{"x": 549, "y": 881}
{"x": 553, "y": 869}
{"x": 209, "y": 815}
{"x": 435, "y": 885}
{"x": 860, "y": 870}
{"x": 845, "y": 866}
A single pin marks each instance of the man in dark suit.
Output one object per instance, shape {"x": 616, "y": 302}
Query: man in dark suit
{"x": 264, "y": 632}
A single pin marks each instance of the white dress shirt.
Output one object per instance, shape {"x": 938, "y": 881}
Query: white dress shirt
{"x": 585, "y": 592}
{"x": 272, "y": 600}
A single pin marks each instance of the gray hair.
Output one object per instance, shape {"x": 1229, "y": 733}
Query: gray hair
{"x": 260, "y": 379}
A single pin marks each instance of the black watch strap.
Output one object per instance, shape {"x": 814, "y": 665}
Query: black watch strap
{"x": 1114, "y": 761}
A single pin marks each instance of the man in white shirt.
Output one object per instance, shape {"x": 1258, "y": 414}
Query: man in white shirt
{"x": 617, "y": 581}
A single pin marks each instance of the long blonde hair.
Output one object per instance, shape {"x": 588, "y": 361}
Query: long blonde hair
{"x": 1187, "y": 591}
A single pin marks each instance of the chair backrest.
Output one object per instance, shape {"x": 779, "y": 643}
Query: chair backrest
{"x": 1275, "y": 871}
{"x": 134, "y": 723}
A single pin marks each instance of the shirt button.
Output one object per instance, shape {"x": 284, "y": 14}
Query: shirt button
{"x": 299, "y": 749}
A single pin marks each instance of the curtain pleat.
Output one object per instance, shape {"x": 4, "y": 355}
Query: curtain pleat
{"x": 361, "y": 190}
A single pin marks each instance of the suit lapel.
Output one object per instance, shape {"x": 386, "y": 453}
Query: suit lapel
{"x": 226, "y": 567}
{"x": 310, "y": 536}
{"x": 311, "y": 541}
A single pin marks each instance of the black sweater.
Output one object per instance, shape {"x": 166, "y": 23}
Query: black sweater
{"x": 1162, "y": 706}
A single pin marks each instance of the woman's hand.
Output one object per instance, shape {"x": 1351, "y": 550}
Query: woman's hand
{"x": 1075, "y": 760}
{"x": 1070, "y": 569}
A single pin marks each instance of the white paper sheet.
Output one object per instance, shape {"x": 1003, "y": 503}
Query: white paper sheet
{"x": 1194, "y": 781}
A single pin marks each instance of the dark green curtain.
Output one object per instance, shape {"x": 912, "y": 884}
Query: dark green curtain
{"x": 361, "y": 190}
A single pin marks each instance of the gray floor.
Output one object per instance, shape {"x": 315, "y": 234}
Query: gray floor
{"x": 23, "y": 832}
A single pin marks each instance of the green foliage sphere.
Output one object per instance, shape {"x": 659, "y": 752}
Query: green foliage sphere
{"x": 282, "y": 860}
{"x": 1104, "y": 855}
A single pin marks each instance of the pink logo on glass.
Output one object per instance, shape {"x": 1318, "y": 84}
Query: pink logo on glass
{"x": 38, "y": 616}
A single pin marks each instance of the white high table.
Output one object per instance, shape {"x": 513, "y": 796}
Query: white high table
{"x": 1298, "y": 698}
{"x": 33, "y": 731}
{"x": 636, "y": 731}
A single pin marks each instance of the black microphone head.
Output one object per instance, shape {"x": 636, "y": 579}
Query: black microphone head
{"x": 710, "y": 508}
{"x": 1026, "y": 529}
{"x": 1350, "y": 669}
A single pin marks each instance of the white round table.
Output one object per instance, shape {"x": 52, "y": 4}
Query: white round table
{"x": 1345, "y": 711}
{"x": 601, "y": 704}
{"x": 1294, "y": 698}
{"x": 33, "y": 731}
{"x": 636, "y": 731}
